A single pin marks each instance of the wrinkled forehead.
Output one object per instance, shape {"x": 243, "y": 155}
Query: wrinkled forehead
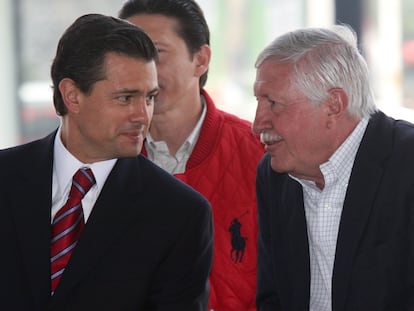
{"x": 270, "y": 72}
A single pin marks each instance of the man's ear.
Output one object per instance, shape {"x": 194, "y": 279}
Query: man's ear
{"x": 70, "y": 93}
{"x": 202, "y": 60}
{"x": 337, "y": 103}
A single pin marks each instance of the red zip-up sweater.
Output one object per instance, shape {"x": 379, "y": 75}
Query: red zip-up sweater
{"x": 222, "y": 167}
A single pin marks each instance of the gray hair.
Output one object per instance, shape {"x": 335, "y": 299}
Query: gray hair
{"x": 323, "y": 59}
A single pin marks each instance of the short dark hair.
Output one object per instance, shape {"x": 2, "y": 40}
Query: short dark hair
{"x": 192, "y": 25}
{"x": 83, "y": 47}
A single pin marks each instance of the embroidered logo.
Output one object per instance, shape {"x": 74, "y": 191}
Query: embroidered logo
{"x": 238, "y": 242}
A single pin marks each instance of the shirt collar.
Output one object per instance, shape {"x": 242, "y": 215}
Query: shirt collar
{"x": 191, "y": 140}
{"x": 66, "y": 165}
{"x": 340, "y": 164}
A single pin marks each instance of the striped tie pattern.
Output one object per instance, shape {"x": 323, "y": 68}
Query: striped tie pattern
{"x": 68, "y": 224}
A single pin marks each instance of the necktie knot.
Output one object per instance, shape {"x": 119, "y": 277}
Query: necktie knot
{"x": 82, "y": 181}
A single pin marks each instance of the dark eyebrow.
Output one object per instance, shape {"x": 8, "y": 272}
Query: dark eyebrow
{"x": 125, "y": 91}
{"x": 133, "y": 91}
{"x": 154, "y": 90}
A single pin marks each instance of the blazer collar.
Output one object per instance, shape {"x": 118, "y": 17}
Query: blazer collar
{"x": 297, "y": 244}
{"x": 289, "y": 233}
{"x": 365, "y": 179}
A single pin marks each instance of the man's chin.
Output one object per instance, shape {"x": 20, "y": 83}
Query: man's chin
{"x": 277, "y": 167}
{"x": 132, "y": 150}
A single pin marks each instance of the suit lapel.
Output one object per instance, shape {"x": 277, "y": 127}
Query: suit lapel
{"x": 114, "y": 210}
{"x": 32, "y": 216}
{"x": 295, "y": 239}
{"x": 361, "y": 193}
{"x": 298, "y": 246}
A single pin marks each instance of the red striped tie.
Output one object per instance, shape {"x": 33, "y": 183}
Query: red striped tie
{"x": 68, "y": 224}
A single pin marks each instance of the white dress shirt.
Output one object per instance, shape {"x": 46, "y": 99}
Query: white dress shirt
{"x": 323, "y": 210}
{"x": 159, "y": 153}
{"x": 65, "y": 166}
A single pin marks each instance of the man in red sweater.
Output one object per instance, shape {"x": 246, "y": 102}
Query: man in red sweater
{"x": 209, "y": 149}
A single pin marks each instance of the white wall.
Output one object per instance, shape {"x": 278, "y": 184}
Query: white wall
{"x": 8, "y": 105}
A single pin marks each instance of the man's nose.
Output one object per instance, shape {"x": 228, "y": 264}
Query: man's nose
{"x": 139, "y": 110}
{"x": 261, "y": 119}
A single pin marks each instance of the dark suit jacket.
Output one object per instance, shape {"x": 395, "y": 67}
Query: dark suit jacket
{"x": 147, "y": 244}
{"x": 374, "y": 261}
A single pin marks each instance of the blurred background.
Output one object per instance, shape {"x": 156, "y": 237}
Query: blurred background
{"x": 240, "y": 29}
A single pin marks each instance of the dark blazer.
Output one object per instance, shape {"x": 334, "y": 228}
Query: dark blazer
{"x": 147, "y": 244}
{"x": 374, "y": 260}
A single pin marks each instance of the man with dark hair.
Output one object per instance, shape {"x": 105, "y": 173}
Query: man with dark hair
{"x": 105, "y": 239}
{"x": 211, "y": 150}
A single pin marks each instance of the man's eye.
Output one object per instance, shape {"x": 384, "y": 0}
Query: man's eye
{"x": 150, "y": 99}
{"x": 124, "y": 98}
{"x": 273, "y": 103}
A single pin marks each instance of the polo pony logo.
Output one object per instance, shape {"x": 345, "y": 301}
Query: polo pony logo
{"x": 238, "y": 242}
